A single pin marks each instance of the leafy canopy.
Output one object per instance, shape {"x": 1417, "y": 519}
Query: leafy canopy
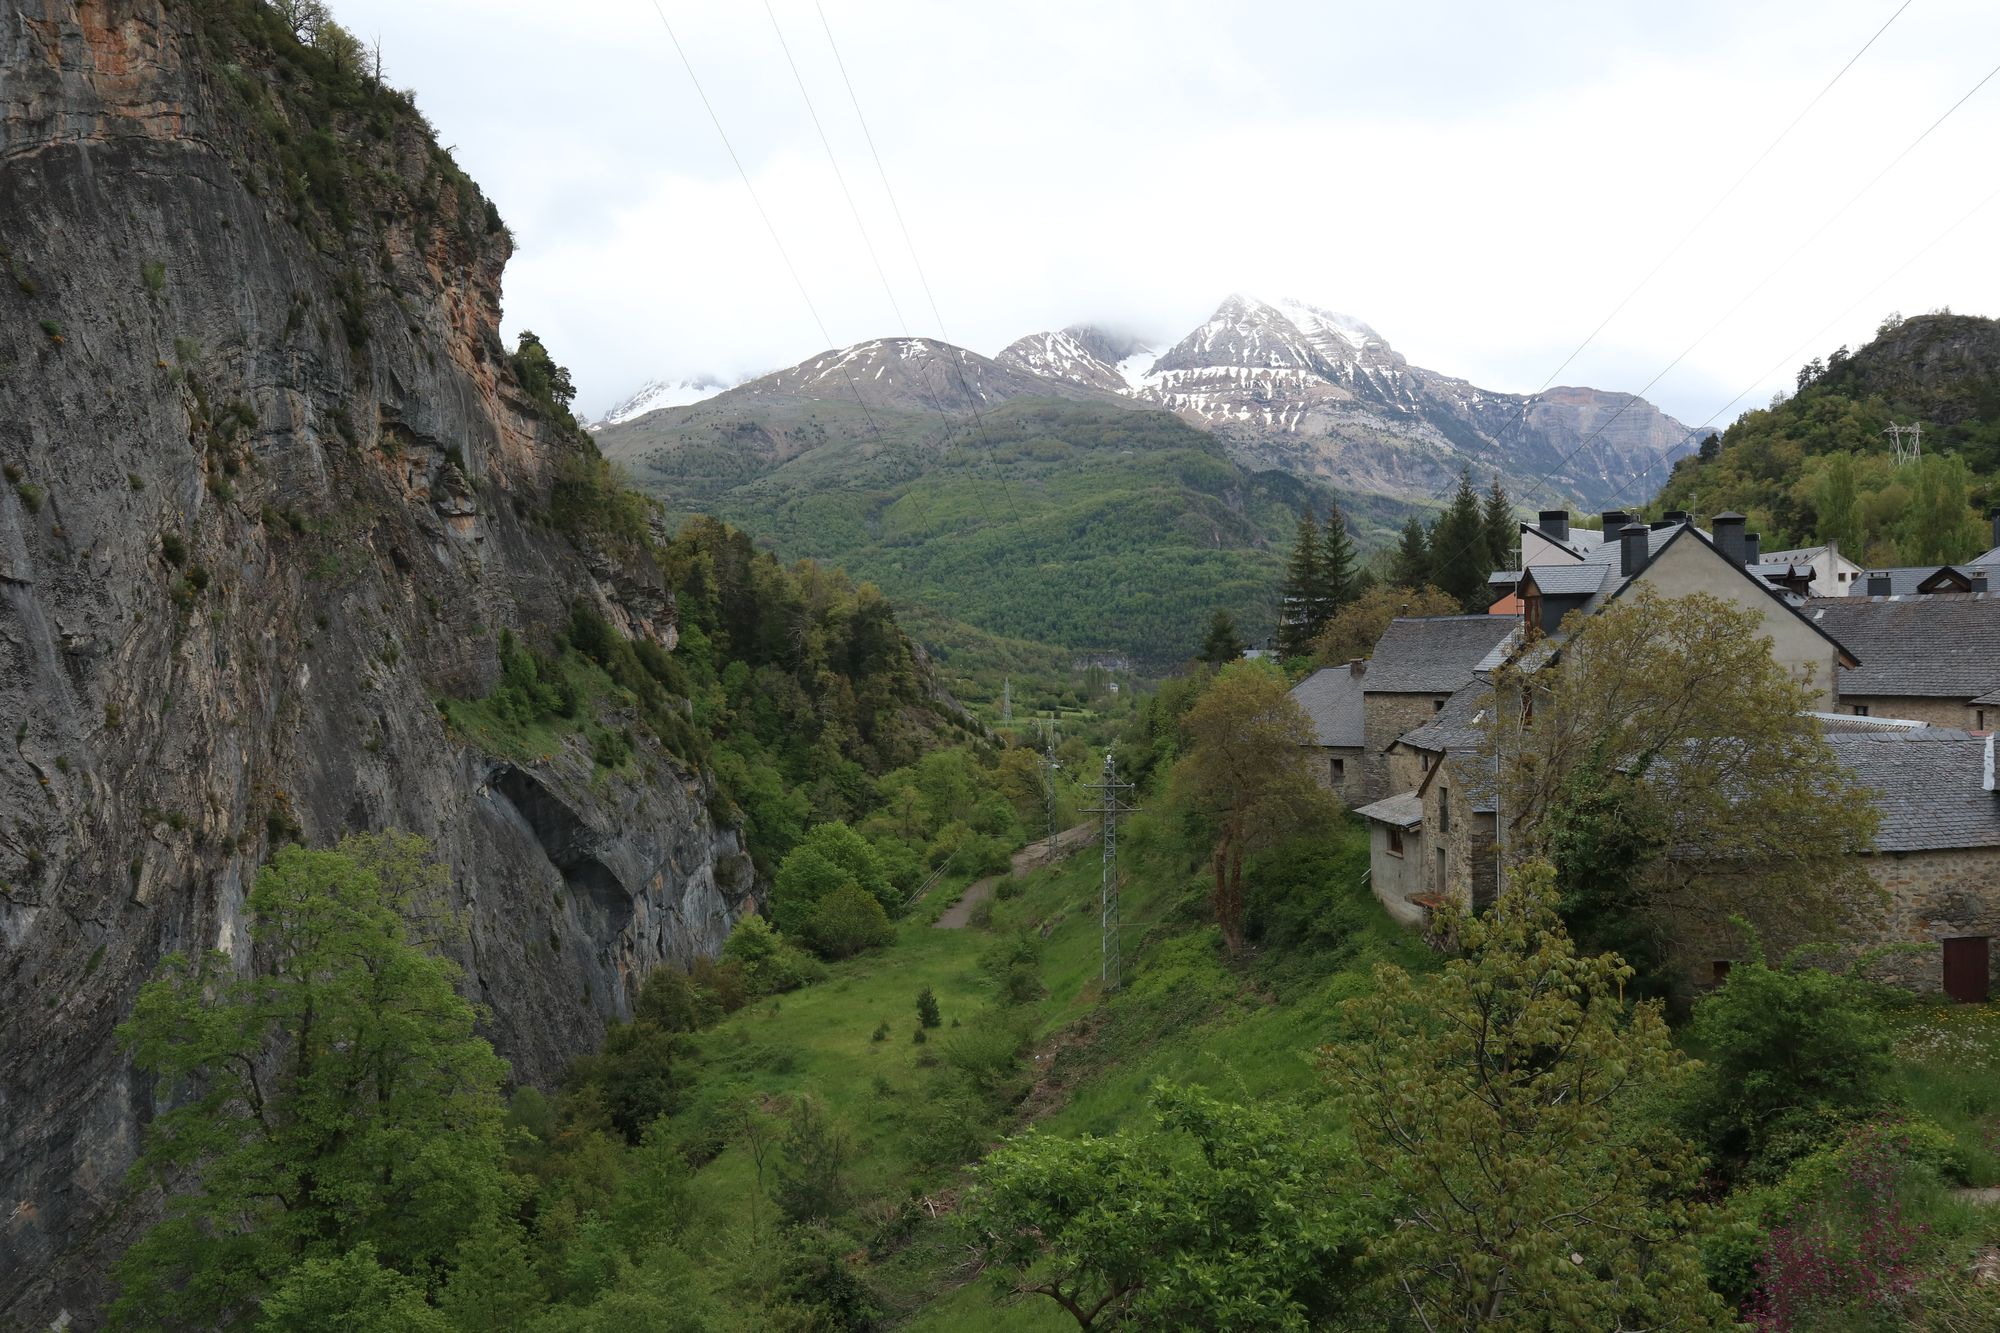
{"x": 1496, "y": 1109}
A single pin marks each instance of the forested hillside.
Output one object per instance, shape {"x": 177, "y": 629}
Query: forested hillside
{"x": 1096, "y": 528}
{"x": 1818, "y": 463}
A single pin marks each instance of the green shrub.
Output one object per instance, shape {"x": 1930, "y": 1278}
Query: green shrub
{"x": 154, "y": 274}
{"x": 846, "y": 922}
{"x": 881, "y": 1032}
{"x": 831, "y": 857}
{"x": 987, "y": 1052}
{"x": 173, "y": 549}
{"x": 1015, "y": 966}
{"x": 927, "y": 1008}
{"x": 770, "y": 963}
{"x": 1790, "y": 1056}
{"x": 31, "y": 496}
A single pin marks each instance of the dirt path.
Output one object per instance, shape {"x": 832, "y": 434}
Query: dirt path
{"x": 1032, "y": 857}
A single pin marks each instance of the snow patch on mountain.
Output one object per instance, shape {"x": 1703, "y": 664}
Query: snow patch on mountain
{"x": 656, "y": 394}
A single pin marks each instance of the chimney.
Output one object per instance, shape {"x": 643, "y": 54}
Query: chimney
{"x": 1988, "y": 776}
{"x": 1555, "y": 522}
{"x": 1729, "y": 537}
{"x": 1753, "y": 546}
{"x": 1358, "y": 667}
{"x": 1993, "y": 517}
{"x": 1878, "y": 583}
{"x": 1632, "y": 553}
{"x": 1614, "y": 520}
{"x": 1672, "y": 518}
{"x": 1979, "y": 580}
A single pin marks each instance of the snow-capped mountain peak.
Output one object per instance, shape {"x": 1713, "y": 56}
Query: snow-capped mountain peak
{"x": 656, "y": 394}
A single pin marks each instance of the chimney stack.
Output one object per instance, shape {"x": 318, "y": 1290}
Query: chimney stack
{"x": 1979, "y": 580}
{"x": 1614, "y": 522}
{"x": 1555, "y": 522}
{"x": 1878, "y": 584}
{"x": 1993, "y": 517}
{"x": 1753, "y": 548}
{"x": 1633, "y": 551}
{"x": 1729, "y": 537}
{"x": 1357, "y": 667}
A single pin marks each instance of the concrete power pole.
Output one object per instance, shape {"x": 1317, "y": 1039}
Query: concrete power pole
{"x": 1111, "y": 808}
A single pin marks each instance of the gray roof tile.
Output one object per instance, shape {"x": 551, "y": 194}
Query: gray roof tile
{"x": 1403, "y": 811}
{"x": 1432, "y": 654}
{"x": 1332, "y": 699}
{"x": 1458, "y": 725}
{"x": 1928, "y": 788}
{"x": 1939, "y": 647}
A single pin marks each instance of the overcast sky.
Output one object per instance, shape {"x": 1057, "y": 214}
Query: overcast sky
{"x": 1482, "y": 183}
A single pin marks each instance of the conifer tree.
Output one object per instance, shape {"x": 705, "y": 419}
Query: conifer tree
{"x": 1302, "y": 572}
{"x": 1501, "y": 526}
{"x": 1413, "y": 557}
{"x": 1222, "y": 644}
{"x": 1458, "y": 548}
{"x": 1335, "y": 586}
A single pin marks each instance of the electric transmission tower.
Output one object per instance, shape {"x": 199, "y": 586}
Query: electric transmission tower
{"x": 1049, "y": 766}
{"x": 1906, "y": 453}
{"x": 1112, "y": 807}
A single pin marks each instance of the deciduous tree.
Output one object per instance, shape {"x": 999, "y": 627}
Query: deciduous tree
{"x": 1496, "y": 1109}
{"x": 337, "y": 1110}
{"x": 1727, "y": 798}
{"x": 1246, "y": 775}
{"x": 1353, "y": 630}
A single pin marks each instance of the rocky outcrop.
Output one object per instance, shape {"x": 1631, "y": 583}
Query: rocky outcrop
{"x": 273, "y": 488}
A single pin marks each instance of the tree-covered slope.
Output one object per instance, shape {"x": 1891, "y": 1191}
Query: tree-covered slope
{"x": 1818, "y": 464}
{"x": 1094, "y": 527}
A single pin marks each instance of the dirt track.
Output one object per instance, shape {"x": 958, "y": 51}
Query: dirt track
{"x": 1032, "y": 857}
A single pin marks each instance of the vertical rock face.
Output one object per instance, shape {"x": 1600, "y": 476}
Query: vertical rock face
{"x": 272, "y": 488}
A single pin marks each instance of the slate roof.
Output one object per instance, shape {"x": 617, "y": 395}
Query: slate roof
{"x": 1457, "y": 725}
{"x": 1800, "y": 556}
{"x": 1432, "y": 654}
{"x": 1928, "y": 788}
{"x": 1332, "y": 699}
{"x": 1568, "y": 580}
{"x": 1905, "y": 582}
{"x": 1404, "y": 811}
{"x": 1940, "y": 647}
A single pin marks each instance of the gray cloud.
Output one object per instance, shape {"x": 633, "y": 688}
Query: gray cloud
{"x": 1479, "y": 182}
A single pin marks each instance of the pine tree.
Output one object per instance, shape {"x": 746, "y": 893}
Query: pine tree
{"x": 1222, "y": 644}
{"x": 1336, "y": 585}
{"x": 1501, "y": 526}
{"x": 1302, "y": 571}
{"x": 1459, "y": 553}
{"x": 1413, "y": 557}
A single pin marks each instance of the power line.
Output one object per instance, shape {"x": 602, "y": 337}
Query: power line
{"x": 1813, "y": 339}
{"x": 895, "y": 207}
{"x": 1528, "y": 405}
{"x": 867, "y": 243}
{"x": 1761, "y": 284}
{"x": 776, "y": 241}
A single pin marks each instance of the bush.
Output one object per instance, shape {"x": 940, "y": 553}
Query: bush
{"x": 1015, "y": 966}
{"x": 846, "y": 922}
{"x": 831, "y": 857}
{"x": 812, "y": 1166}
{"x": 771, "y": 964}
{"x": 988, "y": 1053}
{"x": 1790, "y": 1055}
{"x": 927, "y": 1008}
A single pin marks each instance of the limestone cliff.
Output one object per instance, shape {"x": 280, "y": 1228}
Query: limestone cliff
{"x": 274, "y": 487}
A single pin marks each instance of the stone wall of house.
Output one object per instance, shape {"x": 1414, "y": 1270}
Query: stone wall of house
{"x": 1384, "y": 718}
{"x": 1935, "y": 896}
{"x": 1407, "y": 766}
{"x": 1467, "y": 842}
{"x": 1690, "y": 565}
{"x": 1938, "y": 712}
{"x": 1351, "y": 784}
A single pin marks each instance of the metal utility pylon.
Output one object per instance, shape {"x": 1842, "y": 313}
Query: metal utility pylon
{"x": 1906, "y": 453}
{"x": 1111, "y": 808}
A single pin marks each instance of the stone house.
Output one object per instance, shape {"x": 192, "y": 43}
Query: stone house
{"x": 1675, "y": 559}
{"x": 1436, "y": 837}
{"x": 1418, "y": 663}
{"x": 1828, "y": 572}
{"x": 1937, "y": 852}
{"x": 1331, "y": 701}
{"x": 1930, "y": 659}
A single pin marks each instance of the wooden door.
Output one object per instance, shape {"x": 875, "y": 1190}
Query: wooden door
{"x": 1965, "y": 969}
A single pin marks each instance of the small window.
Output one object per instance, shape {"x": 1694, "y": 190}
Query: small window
{"x": 1336, "y": 769}
{"x": 1425, "y": 756}
{"x": 1980, "y": 723}
{"x": 1845, "y": 577}
{"x": 1395, "y": 841}
{"x": 1444, "y": 812}
{"x": 1437, "y": 705}
{"x": 1861, "y": 710}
